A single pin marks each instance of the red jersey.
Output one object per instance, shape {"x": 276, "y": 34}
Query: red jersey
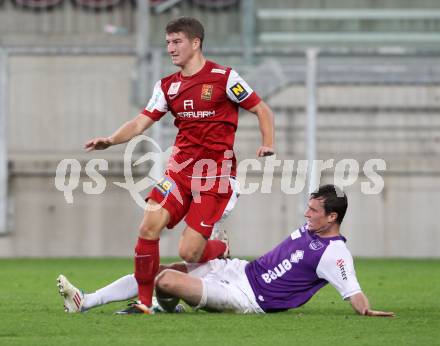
{"x": 205, "y": 107}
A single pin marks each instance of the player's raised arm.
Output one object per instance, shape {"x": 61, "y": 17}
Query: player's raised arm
{"x": 360, "y": 304}
{"x": 266, "y": 123}
{"x": 126, "y": 132}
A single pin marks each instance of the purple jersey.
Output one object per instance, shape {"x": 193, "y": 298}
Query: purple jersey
{"x": 290, "y": 274}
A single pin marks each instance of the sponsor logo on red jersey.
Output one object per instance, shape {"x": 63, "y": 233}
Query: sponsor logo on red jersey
{"x": 174, "y": 88}
{"x": 239, "y": 91}
{"x": 165, "y": 186}
{"x": 196, "y": 115}
{"x": 218, "y": 70}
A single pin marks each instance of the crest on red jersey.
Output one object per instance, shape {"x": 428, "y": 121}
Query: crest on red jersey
{"x": 207, "y": 92}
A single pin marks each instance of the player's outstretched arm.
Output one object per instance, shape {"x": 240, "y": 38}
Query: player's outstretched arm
{"x": 360, "y": 304}
{"x": 266, "y": 123}
{"x": 126, "y": 132}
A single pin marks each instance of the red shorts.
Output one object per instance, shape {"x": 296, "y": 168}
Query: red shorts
{"x": 204, "y": 201}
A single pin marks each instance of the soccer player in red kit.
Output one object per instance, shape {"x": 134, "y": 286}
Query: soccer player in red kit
{"x": 198, "y": 184}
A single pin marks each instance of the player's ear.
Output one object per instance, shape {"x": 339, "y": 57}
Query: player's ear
{"x": 196, "y": 43}
{"x": 332, "y": 217}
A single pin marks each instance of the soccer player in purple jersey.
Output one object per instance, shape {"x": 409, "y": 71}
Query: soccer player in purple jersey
{"x": 284, "y": 278}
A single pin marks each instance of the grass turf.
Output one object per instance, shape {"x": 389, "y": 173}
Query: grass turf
{"x": 31, "y": 310}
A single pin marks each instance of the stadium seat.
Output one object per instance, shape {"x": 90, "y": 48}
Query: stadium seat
{"x": 97, "y": 4}
{"x": 37, "y": 4}
{"x": 215, "y": 3}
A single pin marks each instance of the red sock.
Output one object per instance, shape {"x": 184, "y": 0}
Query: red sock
{"x": 146, "y": 266}
{"x": 213, "y": 249}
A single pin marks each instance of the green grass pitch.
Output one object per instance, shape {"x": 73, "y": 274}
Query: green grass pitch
{"x": 31, "y": 310}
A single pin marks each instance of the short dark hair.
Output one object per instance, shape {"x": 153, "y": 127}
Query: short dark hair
{"x": 191, "y": 27}
{"x": 335, "y": 200}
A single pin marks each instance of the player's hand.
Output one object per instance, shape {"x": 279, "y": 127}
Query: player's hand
{"x": 374, "y": 313}
{"x": 265, "y": 151}
{"x": 99, "y": 143}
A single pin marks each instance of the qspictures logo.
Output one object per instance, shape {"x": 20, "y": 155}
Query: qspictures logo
{"x": 346, "y": 172}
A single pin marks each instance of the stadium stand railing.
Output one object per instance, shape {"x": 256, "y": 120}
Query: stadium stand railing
{"x": 347, "y": 26}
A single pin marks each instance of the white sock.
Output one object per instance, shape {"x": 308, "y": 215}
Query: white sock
{"x": 122, "y": 289}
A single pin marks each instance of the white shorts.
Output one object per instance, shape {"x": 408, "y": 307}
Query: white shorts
{"x": 225, "y": 286}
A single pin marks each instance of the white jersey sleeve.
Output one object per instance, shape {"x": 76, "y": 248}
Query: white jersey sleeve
{"x": 336, "y": 266}
{"x": 157, "y": 102}
{"x": 236, "y": 88}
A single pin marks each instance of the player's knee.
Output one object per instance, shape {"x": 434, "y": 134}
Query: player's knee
{"x": 150, "y": 230}
{"x": 189, "y": 255}
{"x": 164, "y": 281}
{"x": 153, "y": 222}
